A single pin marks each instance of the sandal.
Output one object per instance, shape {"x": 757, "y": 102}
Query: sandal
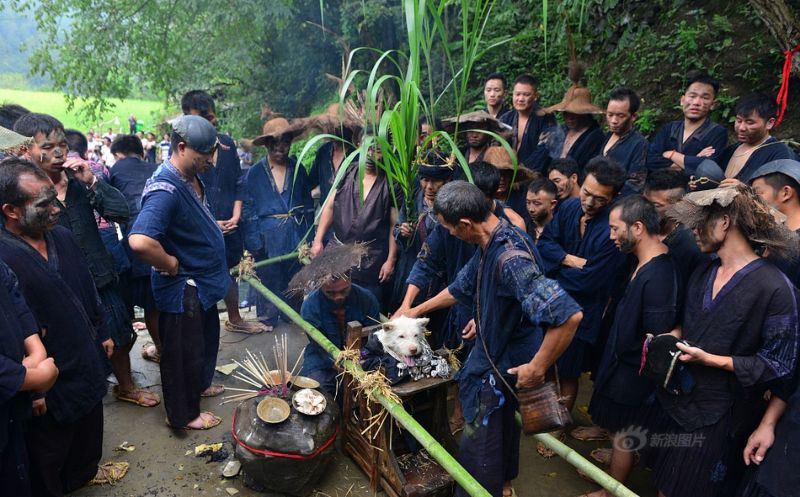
{"x": 208, "y": 423}
{"x": 138, "y": 396}
{"x": 589, "y": 433}
{"x": 246, "y": 327}
{"x": 601, "y": 455}
{"x": 213, "y": 391}
{"x": 546, "y": 451}
{"x": 150, "y": 353}
{"x": 110, "y": 473}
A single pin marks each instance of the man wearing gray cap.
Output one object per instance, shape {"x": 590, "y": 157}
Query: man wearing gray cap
{"x": 177, "y": 234}
{"x": 778, "y": 184}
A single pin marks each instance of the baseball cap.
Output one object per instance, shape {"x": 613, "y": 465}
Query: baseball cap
{"x": 197, "y": 132}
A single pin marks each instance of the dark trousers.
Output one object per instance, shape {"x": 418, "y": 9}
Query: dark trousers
{"x": 189, "y": 344}
{"x": 14, "y": 466}
{"x": 64, "y": 456}
{"x": 489, "y": 448}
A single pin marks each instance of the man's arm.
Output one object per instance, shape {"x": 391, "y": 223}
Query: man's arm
{"x": 387, "y": 269}
{"x": 325, "y": 221}
{"x": 152, "y": 252}
{"x": 556, "y": 340}
{"x": 109, "y": 202}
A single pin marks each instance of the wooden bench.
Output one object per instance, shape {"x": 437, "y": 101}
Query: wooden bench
{"x": 383, "y": 456}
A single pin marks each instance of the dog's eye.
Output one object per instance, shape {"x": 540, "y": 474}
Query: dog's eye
{"x": 402, "y": 336}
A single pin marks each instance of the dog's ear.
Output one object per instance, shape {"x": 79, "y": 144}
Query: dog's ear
{"x": 388, "y": 326}
{"x": 422, "y": 322}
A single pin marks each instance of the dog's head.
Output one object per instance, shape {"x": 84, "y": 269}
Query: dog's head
{"x": 404, "y": 338}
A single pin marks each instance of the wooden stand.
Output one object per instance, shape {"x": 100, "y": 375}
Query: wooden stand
{"x": 375, "y": 452}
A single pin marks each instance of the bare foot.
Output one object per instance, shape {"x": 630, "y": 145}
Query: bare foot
{"x": 508, "y": 489}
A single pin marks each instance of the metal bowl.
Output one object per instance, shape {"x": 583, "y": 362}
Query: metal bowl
{"x": 304, "y": 382}
{"x": 273, "y": 410}
{"x": 319, "y": 402}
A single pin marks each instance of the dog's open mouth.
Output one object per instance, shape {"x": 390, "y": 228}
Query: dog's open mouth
{"x": 410, "y": 361}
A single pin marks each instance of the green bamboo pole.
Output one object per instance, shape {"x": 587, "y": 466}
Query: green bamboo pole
{"x": 459, "y": 474}
{"x": 267, "y": 262}
{"x": 467, "y": 482}
{"x": 586, "y": 467}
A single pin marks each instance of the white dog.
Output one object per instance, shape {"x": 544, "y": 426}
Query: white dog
{"x": 400, "y": 348}
{"x": 404, "y": 339}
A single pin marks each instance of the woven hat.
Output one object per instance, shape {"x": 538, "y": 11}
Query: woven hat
{"x": 434, "y": 165}
{"x": 498, "y": 156}
{"x": 335, "y": 118}
{"x": 577, "y": 100}
{"x": 276, "y": 128}
{"x": 335, "y": 261}
{"x": 477, "y": 118}
{"x": 10, "y": 140}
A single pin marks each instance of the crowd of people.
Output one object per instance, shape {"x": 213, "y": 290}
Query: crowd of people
{"x": 666, "y": 269}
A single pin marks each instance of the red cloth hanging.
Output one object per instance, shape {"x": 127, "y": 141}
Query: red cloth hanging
{"x": 783, "y": 93}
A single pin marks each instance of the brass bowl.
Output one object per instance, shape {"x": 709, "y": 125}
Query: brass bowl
{"x": 304, "y": 382}
{"x": 273, "y": 410}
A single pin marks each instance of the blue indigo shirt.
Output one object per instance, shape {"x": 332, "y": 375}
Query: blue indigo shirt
{"x": 360, "y": 305}
{"x": 175, "y": 215}
{"x": 670, "y": 137}
{"x": 513, "y": 302}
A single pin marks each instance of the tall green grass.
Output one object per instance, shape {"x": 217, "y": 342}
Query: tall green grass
{"x": 151, "y": 113}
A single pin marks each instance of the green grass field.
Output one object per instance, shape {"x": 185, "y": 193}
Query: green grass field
{"x": 148, "y": 112}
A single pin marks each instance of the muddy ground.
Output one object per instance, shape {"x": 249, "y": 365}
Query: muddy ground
{"x": 160, "y": 466}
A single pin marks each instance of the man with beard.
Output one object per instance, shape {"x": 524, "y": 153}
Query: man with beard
{"x": 523, "y": 322}
{"x": 334, "y": 301}
{"x": 740, "y": 328}
{"x": 80, "y": 194}
{"x": 684, "y": 143}
{"x": 179, "y": 237}
{"x": 622, "y": 398}
{"x": 225, "y": 191}
{"x": 578, "y": 253}
{"x": 623, "y": 142}
{"x": 528, "y": 122}
{"x": 65, "y": 437}
{"x": 541, "y": 201}
{"x": 755, "y": 117}
{"x": 564, "y": 173}
{"x": 279, "y": 211}
{"x": 494, "y": 94}
{"x": 664, "y": 188}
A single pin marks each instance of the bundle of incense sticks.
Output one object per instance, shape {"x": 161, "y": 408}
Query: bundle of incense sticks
{"x": 255, "y": 371}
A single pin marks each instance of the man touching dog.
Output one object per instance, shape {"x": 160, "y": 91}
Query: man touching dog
{"x": 512, "y": 302}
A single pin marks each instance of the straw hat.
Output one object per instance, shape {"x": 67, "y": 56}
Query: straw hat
{"x": 477, "y": 118}
{"x": 577, "y": 100}
{"x": 333, "y": 120}
{"x": 335, "y": 261}
{"x": 498, "y": 156}
{"x": 10, "y": 140}
{"x": 276, "y": 128}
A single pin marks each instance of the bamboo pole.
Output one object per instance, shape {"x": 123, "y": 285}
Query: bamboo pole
{"x": 267, "y": 262}
{"x": 459, "y": 474}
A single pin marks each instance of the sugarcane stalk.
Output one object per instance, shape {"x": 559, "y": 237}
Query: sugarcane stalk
{"x": 439, "y": 453}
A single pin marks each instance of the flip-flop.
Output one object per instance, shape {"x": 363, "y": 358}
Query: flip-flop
{"x": 246, "y": 327}
{"x": 213, "y": 391}
{"x": 137, "y": 396}
{"x": 153, "y": 356}
{"x": 207, "y": 424}
{"x": 546, "y": 451}
{"x": 602, "y": 455}
{"x": 111, "y": 473}
{"x": 589, "y": 434}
